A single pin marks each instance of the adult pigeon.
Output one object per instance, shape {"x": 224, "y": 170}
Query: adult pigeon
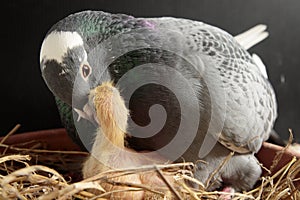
{"x": 215, "y": 98}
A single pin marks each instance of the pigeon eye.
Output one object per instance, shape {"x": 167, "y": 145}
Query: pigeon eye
{"x": 86, "y": 70}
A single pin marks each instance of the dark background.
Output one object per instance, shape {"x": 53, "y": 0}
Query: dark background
{"x": 26, "y": 99}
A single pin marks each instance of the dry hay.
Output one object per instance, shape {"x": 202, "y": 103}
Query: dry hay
{"x": 41, "y": 174}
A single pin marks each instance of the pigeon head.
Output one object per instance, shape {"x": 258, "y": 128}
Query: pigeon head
{"x": 63, "y": 59}
{"x": 70, "y": 57}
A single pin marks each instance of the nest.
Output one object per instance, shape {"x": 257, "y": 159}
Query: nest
{"x": 38, "y": 173}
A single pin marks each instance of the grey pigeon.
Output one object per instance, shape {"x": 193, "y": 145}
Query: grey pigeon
{"x": 231, "y": 94}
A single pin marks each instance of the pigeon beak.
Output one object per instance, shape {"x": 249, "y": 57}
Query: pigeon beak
{"x": 89, "y": 113}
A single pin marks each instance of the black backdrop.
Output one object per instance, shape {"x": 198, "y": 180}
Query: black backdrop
{"x": 26, "y": 99}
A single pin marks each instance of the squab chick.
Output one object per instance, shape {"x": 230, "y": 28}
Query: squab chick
{"x": 109, "y": 151}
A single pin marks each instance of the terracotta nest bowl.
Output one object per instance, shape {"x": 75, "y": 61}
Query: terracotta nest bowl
{"x": 57, "y": 139}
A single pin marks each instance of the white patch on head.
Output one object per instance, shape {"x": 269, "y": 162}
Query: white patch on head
{"x": 57, "y": 43}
